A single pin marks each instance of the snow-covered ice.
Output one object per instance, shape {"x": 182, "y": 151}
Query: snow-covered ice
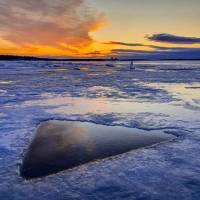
{"x": 156, "y": 95}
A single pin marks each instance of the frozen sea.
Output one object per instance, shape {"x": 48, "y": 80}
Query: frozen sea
{"x": 157, "y": 95}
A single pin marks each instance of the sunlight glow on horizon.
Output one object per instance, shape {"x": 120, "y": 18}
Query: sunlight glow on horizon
{"x": 84, "y": 31}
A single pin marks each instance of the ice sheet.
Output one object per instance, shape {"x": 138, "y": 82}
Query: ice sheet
{"x": 156, "y": 95}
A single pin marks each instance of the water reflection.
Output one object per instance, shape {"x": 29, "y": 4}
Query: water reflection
{"x": 60, "y": 145}
{"x": 185, "y": 93}
{"x": 5, "y": 82}
{"x": 67, "y": 105}
{"x": 101, "y": 100}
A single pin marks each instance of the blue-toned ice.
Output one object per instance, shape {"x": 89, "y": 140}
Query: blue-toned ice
{"x": 156, "y": 95}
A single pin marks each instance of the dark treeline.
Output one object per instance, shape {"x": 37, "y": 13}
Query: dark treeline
{"x": 32, "y": 58}
{"x": 10, "y": 57}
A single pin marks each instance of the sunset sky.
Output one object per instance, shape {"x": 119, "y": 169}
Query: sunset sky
{"x": 93, "y": 28}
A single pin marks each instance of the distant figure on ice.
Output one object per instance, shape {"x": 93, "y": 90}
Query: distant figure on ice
{"x": 132, "y": 67}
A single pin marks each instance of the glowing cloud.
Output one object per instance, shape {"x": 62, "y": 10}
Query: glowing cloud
{"x": 56, "y": 24}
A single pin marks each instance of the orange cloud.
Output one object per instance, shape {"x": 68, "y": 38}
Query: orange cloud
{"x": 47, "y": 27}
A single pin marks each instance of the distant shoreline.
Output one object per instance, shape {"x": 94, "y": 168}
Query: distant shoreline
{"x": 32, "y": 58}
